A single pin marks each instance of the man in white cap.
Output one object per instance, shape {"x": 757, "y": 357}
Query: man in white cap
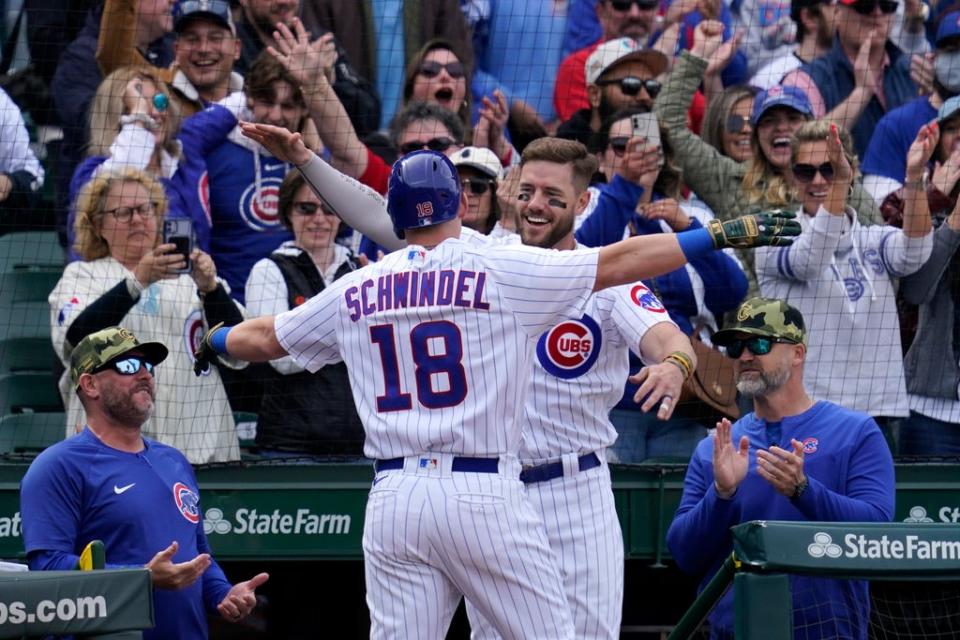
{"x": 633, "y": 19}
{"x": 619, "y": 74}
{"x": 479, "y": 169}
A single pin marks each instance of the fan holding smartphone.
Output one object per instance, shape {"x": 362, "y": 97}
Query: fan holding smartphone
{"x": 638, "y": 160}
{"x": 179, "y": 232}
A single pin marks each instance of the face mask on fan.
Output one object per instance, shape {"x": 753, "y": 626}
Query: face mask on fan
{"x": 947, "y": 69}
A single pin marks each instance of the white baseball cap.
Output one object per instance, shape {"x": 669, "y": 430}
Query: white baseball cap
{"x": 619, "y": 50}
{"x": 480, "y": 158}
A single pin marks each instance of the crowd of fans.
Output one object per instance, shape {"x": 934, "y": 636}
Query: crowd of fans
{"x": 744, "y": 96}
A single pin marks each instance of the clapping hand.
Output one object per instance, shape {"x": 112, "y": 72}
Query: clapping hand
{"x": 730, "y": 460}
{"x": 781, "y": 468}
{"x": 921, "y": 150}
{"x": 306, "y": 61}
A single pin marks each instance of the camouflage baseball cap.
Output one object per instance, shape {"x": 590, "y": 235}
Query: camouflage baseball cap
{"x": 765, "y": 317}
{"x": 99, "y": 348}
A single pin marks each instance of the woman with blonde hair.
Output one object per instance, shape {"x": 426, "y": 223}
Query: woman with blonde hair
{"x": 840, "y": 274}
{"x": 135, "y": 124}
{"x": 126, "y": 276}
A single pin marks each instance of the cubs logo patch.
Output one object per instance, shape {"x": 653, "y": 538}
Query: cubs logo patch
{"x": 810, "y": 445}
{"x": 188, "y": 502}
{"x": 260, "y": 209}
{"x": 645, "y": 299}
{"x": 193, "y": 333}
{"x": 569, "y": 349}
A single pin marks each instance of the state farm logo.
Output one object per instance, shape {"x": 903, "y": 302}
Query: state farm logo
{"x": 884, "y": 547}
{"x": 918, "y": 515}
{"x": 251, "y": 521}
{"x": 823, "y": 545}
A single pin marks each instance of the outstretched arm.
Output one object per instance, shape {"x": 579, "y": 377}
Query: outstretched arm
{"x": 251, "y": 341}
{"x": 357, "y": 205}
{"x": 643, "y": 257}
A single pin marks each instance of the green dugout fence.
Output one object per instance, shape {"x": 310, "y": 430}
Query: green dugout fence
{"x": 315, "y": 512}
{"x": 765, "y": 552}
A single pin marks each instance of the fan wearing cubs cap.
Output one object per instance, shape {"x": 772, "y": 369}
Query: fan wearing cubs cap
{"x": 138, "y": 496}
{"x": 792, "y": 458}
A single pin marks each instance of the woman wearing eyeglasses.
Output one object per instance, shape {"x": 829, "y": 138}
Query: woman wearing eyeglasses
{"x": 127, "y": 276}
{"x": 731, "y": 188}
{"x": 840, "y": 273}
{"x": 303, "y": 414}
{"x": 135, "y": 124}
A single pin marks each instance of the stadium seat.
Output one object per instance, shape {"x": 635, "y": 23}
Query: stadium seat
{"x": 27, "y": 353}
{"x": 31, "y": 391}
{"x": 28, "y": 283}
{"x": 30, "y": 248}
{"x": 30, "y": 432}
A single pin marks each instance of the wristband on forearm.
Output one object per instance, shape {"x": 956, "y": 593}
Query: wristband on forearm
{"x": 695, "y": 243}
{"x": 218, "y": 340}
{"x": 682, "y": 361}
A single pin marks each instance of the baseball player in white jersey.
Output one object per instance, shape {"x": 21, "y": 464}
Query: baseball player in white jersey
{"x": 438, "y": 339}
{"x": 579, "y": 370}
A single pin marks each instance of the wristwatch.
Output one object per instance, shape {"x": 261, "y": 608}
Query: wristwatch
{"x": 799, "y": 489}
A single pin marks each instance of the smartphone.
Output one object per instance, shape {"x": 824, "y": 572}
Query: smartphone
{"x": 645, "y": 125}
{"x": 179, "y": 231}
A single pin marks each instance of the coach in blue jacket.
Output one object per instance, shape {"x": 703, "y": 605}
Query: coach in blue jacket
{"x": 792, "y": 458}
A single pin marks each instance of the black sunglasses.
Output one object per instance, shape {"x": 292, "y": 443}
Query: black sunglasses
{"x": 477, "y": 187}
{"x": 736, "y": 124}
{"x": 624, "y": 5}
{"x": 865, "y": 7}
{"x": 807, "y": 172}
{"x": 308, "y": 208}
{"x": 631, "y": 85}
{"x": 434, "y": 144}
{"x": 756, "y": 345}
{"x": 619, "y": 145}
{"x": 128, "y": 366}
{"x": 431, "y": 69}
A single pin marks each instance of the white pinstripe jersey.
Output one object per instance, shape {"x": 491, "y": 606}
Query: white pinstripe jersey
{"x": 439, "y": 343}
{"x": 580, "y": 367}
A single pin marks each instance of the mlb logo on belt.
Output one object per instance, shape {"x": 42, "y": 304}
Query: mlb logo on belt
{"x": 429, "y": 463}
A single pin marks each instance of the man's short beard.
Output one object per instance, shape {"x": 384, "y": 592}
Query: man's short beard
{"x": 763, "y": 384}
{"x": 122, "y": 408}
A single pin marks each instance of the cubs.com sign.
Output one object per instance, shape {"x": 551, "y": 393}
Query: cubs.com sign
{"x": 883, "y": 547}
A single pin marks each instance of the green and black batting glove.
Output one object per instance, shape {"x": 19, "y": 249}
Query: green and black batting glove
{"x": 775, "y": 228}
{"x": 205, "y": 354}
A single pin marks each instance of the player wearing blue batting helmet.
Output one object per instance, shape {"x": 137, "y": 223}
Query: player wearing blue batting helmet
{"x": 424, "y": 190}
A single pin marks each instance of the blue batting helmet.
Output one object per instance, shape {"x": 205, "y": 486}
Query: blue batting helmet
{"x": 424, "y": 190}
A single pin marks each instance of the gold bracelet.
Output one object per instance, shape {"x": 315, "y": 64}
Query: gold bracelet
{"x": 682, "y": 361}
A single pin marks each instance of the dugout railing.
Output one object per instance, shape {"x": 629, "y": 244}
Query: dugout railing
{"x": 766, "y": 552}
